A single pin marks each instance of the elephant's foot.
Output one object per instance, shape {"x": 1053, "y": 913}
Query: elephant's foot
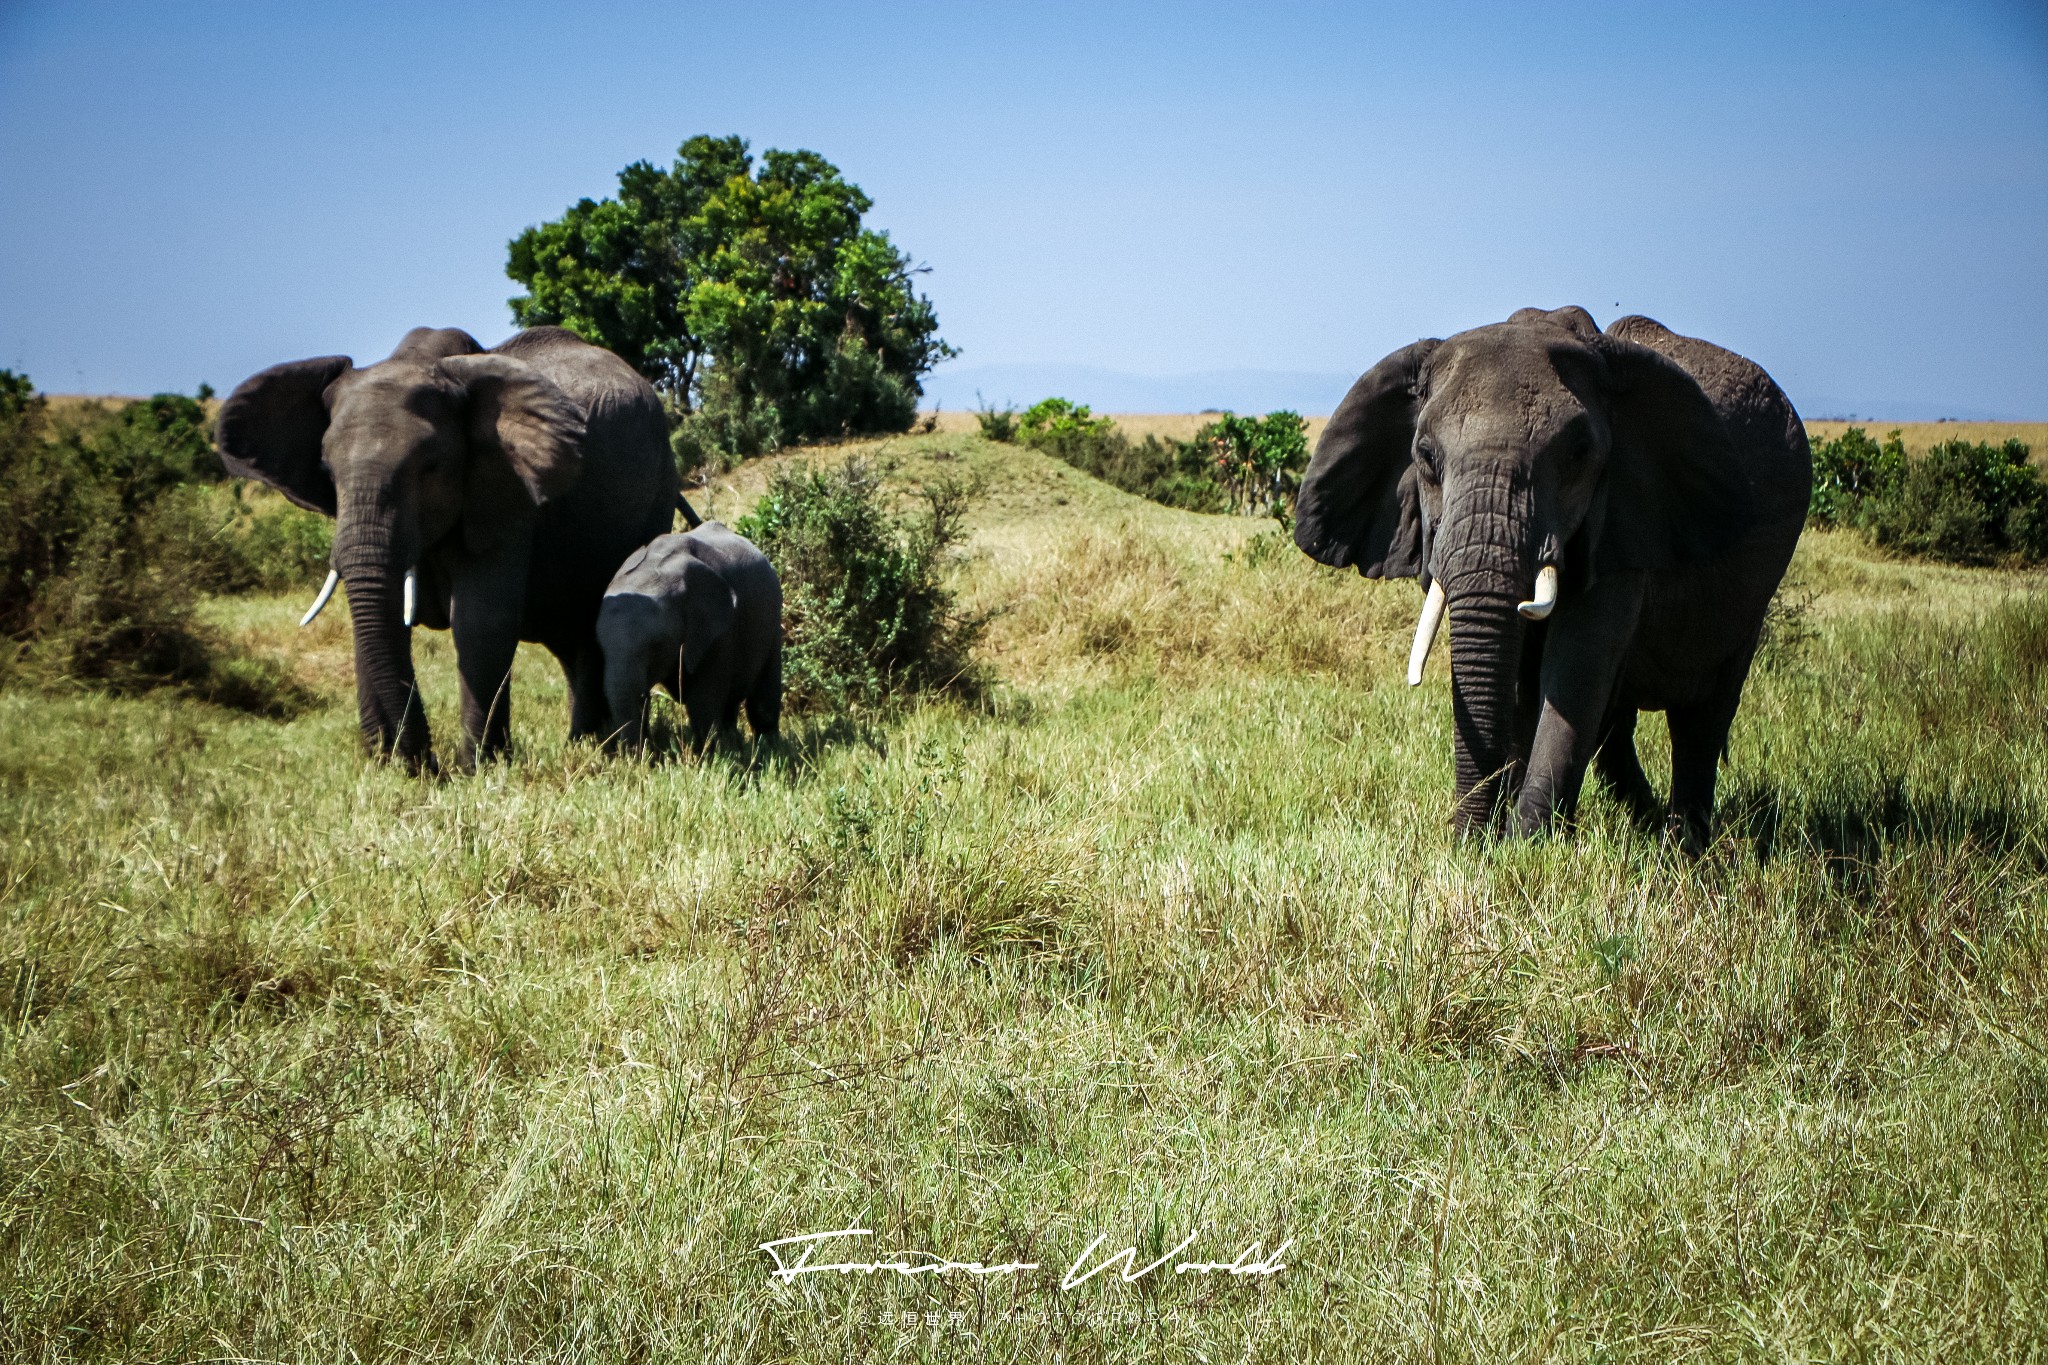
{"x": 1487, "y": 807}
{"x": 475, "y": 754}
{"x": 1689, "y": 832}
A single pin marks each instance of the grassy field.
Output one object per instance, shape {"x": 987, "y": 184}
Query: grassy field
{"x": 303, "y": 1060}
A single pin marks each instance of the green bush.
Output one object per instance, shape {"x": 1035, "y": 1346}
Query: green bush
{"x": 1964, "y": 502}
{"x": 997, "y": 424}
{"x": 105, "y": 546}
{"x": 867, "y": 614}
{"x": 1850, "y": 469}
{"x": 1175, "y": 473}
{"x": 1258, "y": 462}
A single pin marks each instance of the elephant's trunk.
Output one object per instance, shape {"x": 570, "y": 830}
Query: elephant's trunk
{"x": 1486, "y": 653}
{"x": 387, "y": 693}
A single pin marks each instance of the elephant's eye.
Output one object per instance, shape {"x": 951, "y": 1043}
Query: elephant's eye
{"x": 1425, "y": 451}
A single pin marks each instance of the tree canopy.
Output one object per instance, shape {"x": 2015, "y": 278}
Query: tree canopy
{"x": 751, "y": 295}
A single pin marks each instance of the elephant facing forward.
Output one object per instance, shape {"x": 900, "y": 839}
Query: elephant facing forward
{"x": 1604, "y": 516}
{"x": 488, "y": 493}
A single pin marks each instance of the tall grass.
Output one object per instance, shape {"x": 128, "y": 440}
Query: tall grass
{"x": 306, "y": 1060}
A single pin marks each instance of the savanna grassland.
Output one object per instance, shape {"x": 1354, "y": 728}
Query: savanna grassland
{"x": 302, "y": 1059}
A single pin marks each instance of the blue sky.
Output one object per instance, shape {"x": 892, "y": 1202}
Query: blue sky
{"x": 1854, "y": 195}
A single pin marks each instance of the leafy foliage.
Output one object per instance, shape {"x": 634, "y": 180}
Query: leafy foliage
{"x": 1053, "y": 419}
{"x": 1852, "y": 468}
{"x": 1250, "y": 466}
{"x": 753, "y": 297}
{"x": 996, "y": 424}
{"x": 1965, "y": 502}
{"x": 108, "y": 534}
{"x": 867, "y": 613}
{"x": 1258, "y": 461}
{"x": 1174, "y": 473}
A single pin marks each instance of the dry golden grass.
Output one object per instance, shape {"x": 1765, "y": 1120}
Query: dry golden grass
{"x": 1919, "y": 436}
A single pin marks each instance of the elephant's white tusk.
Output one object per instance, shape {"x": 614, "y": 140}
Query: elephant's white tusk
{"x": 1538, "y": 607}
{"x": 326, "y": 591}
{"x": 1425, "y": 632}
{"x": 412, "y": 593}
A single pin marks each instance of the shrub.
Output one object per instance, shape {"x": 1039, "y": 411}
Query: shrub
{"x": 867, "y": 614}
{"x": 1964, "y": 502}
{"x": 1850, "y": 468}
{"x": 997, "y": 424}
{"x": 1258, "y": 461}
{"x": 104, "y": 548}
{"x": 1970, "y": 503}
{"x": 1052, "y": 419}
{"x": 1175, "y": 473}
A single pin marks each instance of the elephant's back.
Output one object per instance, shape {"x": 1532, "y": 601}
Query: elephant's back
{"x": 1703, "y": 618}
{"x": 752, "y": 578}
{"x": 1768, "y": 435}
{"x": 626, "y": 493}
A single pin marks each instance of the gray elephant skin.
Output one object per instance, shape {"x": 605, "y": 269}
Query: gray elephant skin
{"x": 1605, "y": 517}
{"x": 700, "y": 614}
{"x": 492, "y": 492}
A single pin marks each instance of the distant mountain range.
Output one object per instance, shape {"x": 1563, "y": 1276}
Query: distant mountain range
{"x": 1310, "y": 394}
{"x": 1824, "y": 409}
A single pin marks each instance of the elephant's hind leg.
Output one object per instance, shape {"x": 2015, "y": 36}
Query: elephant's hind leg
{"x": 764, "y": 703}
{"x": 1622, "y": 772}
{"x": 1699, "y": 735}
{"x": 583, "y": 666}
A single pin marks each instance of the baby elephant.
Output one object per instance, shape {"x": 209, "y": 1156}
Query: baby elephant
{"x": 701, "y": 614}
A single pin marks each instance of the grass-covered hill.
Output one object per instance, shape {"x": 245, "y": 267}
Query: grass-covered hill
{"x": 301, "y": 1059}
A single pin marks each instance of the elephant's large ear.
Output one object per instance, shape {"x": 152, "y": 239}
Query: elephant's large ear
{"x": 709, "y": 609}
{"x": 526, "y": 442}
{"x": 1676, "y": 493}
{"x": 1358, "y": 502}
{"x": 270, "y": 429}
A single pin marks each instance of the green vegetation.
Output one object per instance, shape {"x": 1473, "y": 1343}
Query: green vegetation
{"x": 1965, "y": 502}
{"x": 1171, "y": 473}
{"x": 1258, "y": 461}
{"x": 307, "y": 1060}
{"x": 868, "y": 615}
{"x": 1247, "y": 466}
{"x": 996, "y": 424}
{"x": 752, "y": 297}
{"x": 114, "y": 519}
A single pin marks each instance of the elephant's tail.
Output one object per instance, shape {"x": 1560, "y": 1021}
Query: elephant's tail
{"x": 689, "y": 513}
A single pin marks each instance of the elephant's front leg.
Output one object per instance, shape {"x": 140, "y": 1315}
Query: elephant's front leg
{"x": 487, "y": 606}
{"x": 1586, "y": 643}
{"x": 635, "y": 644}
{"x": 583, "y": 666}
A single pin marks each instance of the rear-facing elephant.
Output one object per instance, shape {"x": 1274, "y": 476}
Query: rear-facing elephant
{"x": 1604, "y": 515}
{"x": 490, "y": 493}
{"x": 701, "y": 615}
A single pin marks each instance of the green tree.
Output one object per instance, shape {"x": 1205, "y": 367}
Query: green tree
{"x": 752, "y": 296}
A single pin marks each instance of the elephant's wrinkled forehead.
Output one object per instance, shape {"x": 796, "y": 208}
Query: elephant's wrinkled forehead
{"x": 1506, "y": 388}
{"x": 391, "y": 401}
